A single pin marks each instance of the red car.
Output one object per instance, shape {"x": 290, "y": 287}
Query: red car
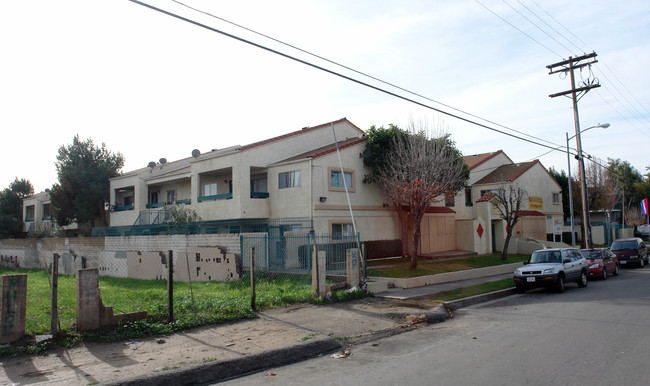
{"x": 602, "y": 262}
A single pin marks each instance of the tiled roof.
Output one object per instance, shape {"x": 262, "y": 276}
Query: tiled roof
{"x": 475, "y": 160}
{"x": 507, "y": 173}
{"x": 486, "y": 197}
{"x": 530, "y": 213}
{"x": 297, "y": 132}
{"x": 324, "y": 150}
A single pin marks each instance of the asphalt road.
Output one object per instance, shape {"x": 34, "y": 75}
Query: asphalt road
{"x": 586, "y": 336}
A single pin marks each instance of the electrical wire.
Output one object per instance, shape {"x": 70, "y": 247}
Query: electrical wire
{"x": 356, "y": 71}
{"x": 376, "y": 88}
{"x": 535, "y": 25}
{"x": 518, "y": 29}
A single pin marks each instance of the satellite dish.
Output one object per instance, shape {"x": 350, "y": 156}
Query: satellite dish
{"x": 162, "y": 161}
{"x": 196, "y": 153}
{"x": 151, "y": 164}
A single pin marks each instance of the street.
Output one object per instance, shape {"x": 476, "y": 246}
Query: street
{"x": 586, "y": 336}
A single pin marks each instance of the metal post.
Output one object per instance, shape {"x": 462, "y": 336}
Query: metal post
{"x": 170, "y": 286}
{"x": 568, "y": 160}
{"x": 253, "y": 278}
{"x": 55, "y": 291}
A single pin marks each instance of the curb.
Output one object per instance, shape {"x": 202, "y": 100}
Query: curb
{"x": 437, "y": 314}
{"x": 466, "y": 302}
{"x": 232, "y": 368}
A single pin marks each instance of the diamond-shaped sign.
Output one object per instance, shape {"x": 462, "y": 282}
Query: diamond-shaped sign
{"x": 479, "y": 230}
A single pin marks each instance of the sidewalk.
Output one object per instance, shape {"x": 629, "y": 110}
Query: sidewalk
{"x": 217, "y": 353}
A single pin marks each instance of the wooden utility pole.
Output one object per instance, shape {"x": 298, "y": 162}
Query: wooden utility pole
{"x": 568, "y": 66}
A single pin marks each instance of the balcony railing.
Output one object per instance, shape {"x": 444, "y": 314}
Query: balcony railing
{"x": 156, "y": 205}
{"x": 185, "y": 202}
{"x": 259, "y": 194}
{"x": 225, "y": 196}
{"x": 121, "y": 208}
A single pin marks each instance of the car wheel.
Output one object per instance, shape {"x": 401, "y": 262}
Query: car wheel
{"x": 559, "y": 286}
{"x": 616, "y": 269}
{"x": 641, "y": 263}
{"x": 604, "y": 275}
{"x": 582, "y": 282}
{"x": 521, "y": 289}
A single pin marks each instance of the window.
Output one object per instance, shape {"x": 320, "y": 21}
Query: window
{"x": 342, "y": 229}
{"x": 468, "y": 197}
{"x": 556, "y": 198}
{"x": 128, "y": 200}
{"x": 259, "y": 185}
{"x": 289, "y": 179}
{"x": 153, "y": 198}
{"x": 336, "y": 179}
{"x": 171, "y": 196}
{"x": 29, "y": 213}
{"x": 450, "y": 200}
{"x": 210, "y": 189}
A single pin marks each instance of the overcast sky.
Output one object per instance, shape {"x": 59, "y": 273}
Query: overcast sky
{"x": 150, "y": 86}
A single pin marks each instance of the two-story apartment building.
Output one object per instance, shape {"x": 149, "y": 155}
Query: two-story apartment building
{"x": 298, "y": 176}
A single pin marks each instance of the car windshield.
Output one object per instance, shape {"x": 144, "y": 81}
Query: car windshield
{"x": 546, "y": 257}
{"x": 591, "y": 254}
{"x": 623, "y": 245}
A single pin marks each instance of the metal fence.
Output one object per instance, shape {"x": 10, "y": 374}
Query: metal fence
{"x": 204, "y": 280}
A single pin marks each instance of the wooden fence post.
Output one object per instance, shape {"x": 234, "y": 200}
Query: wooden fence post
{"x": 253, "y": 279}
{"x": 170, "y": 286}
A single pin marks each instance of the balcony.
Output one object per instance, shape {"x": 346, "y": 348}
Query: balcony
{"x": 184, "y": 202}
{"x": 122, "y": 208}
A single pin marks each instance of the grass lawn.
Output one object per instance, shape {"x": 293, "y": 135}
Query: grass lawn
{"x": 400, "y": 269}
{"x": 208, "y": 302}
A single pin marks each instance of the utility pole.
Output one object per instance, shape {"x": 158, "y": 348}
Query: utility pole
{"x": 568, "y": 66}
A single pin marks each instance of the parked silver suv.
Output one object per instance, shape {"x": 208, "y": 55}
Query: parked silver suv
{"x": 552, "y": 268}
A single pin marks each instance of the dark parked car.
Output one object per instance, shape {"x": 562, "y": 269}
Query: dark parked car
{"x": 602, "y": 262}
{"x": 552, "y": 268}
{"x": 632, "y": 251}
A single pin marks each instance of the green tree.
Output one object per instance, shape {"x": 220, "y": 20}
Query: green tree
{"x": 379, "y": 144}
{"x": 83, "y": 171}
{"x": 180, "y": 218}
{"x": 414, "y": 171}
{"x": 624, "y": 177}
{"x": 11, "y": 207}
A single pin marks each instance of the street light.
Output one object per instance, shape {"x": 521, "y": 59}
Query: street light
{"x": 583, "y": 184}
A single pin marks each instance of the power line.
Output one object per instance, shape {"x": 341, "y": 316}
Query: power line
{"x": 535, "y": 25}
{"x": 240, "y": 39}
{"x": 357, "y": 71}
{"x": 518, "y": 29}
{"x": 551, "y": 27}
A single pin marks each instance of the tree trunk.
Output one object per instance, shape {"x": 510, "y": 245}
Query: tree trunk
{"x": 504, "y": 254}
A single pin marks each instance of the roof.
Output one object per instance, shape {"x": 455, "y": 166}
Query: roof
{"x": 325, "y": 150}
{"x": 297, "y": 132}
{"x": 487, "y": 197}
{"x": 507, "y": 173}
{"x": 475, "y": 160}
{"x": 530, "y": 213}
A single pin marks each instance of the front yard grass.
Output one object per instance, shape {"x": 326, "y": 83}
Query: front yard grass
{"x": 399, "y": 268}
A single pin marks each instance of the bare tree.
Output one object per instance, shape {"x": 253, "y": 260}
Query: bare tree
{"x": 507, "y": 200}
{"x": 634, "y": 217}
{"x": 419, "y": 172}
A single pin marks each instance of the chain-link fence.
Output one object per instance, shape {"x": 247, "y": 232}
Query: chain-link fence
{"x": 205, "y": 278}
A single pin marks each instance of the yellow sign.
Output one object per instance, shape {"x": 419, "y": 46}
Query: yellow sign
{"x": 535, "y": 202}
